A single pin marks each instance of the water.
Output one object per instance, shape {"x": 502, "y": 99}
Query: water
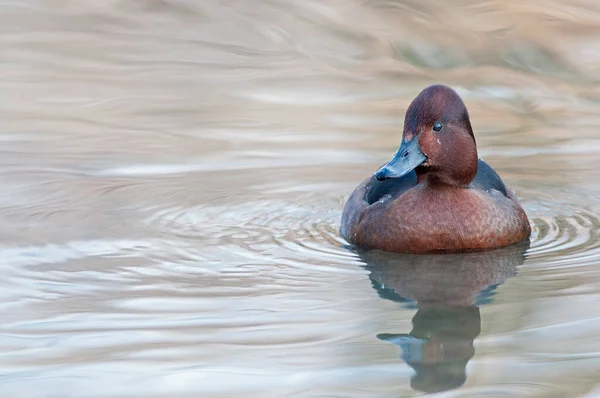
{"x": 174, "y": 171}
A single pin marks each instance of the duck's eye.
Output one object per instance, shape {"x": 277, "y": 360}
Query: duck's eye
{"x": 437, "y": 126}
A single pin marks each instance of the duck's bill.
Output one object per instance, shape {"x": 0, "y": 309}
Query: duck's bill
{"x": 408, "y": 157}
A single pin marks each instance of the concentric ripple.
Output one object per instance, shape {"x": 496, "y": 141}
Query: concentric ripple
{"x": 299, "y": 233}
{"x": 564, "y": 235}
{"x": 290, "y": 233}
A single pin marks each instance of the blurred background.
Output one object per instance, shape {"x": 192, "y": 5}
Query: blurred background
{"x": 173, "y": 174}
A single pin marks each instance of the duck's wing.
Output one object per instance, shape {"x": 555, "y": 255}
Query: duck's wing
{"x": 486, "y": 179}
{"x": 393, "y": 187}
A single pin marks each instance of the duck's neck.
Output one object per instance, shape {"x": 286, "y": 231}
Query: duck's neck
{"x": 435, "y": 179}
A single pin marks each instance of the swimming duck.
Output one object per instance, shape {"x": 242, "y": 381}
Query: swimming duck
{"x": 435, "y": 195}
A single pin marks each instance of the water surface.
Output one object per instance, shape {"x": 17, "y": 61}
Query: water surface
{"x": 174, "y": 171}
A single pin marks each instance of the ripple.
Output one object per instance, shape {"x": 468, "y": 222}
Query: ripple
{"x": 300, "y": 234}
{"x": 564, "y": 235}
{"x": 273, "y": 231}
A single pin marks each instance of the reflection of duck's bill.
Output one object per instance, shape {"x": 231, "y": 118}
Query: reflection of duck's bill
{"x": 396, "y": 339}
{"x": 412, "y": 347}
{"x": 408, "y": 157}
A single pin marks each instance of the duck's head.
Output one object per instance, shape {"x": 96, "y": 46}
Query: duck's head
{"x": 437, "y": 142}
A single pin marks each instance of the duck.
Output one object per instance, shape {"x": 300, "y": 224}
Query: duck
{"x": 435, "y": 194}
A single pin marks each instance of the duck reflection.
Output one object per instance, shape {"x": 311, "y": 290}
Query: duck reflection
{"x": 448, "y": 291}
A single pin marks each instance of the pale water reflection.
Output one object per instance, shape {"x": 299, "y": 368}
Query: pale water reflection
{"x": 173, "y": 175}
